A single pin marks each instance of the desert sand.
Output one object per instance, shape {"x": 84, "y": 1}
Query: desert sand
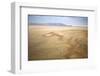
{"x": 46, "y": 42}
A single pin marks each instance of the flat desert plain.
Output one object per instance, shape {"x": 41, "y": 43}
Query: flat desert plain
{"x": 57, "y": 42}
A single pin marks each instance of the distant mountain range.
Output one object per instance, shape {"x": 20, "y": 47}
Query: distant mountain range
{"x": 50, "y": 24}
{"x": 56, "y": 24}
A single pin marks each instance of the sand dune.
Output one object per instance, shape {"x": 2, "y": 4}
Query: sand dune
{"x": 47, "y": 42}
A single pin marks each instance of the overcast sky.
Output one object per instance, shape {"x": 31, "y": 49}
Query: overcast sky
{"x": 67, "y": 20}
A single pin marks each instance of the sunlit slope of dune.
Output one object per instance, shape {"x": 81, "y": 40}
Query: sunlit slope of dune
{"x": 45, "y": 42}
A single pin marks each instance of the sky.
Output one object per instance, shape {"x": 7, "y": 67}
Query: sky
{"x": 66, "y": 20}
